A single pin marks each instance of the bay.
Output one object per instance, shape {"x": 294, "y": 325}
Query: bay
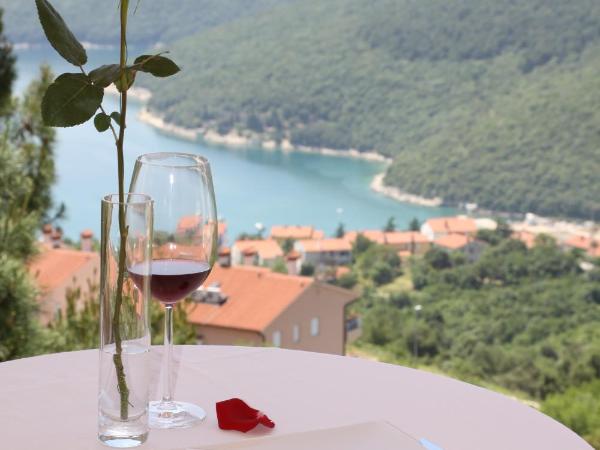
{"x": 251, "y": 185}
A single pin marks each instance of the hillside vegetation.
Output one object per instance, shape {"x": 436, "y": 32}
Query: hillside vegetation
{"x": 524, "y": 320}
{"x": 154, "y": 20}
{"x": 488, "y": 101}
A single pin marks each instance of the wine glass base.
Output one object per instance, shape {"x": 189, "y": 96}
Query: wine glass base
{"x": 164, "y": 415}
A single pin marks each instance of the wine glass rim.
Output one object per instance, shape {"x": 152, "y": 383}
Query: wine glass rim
{"x": 152, "y": 159}
{"x": 131, "y": 198}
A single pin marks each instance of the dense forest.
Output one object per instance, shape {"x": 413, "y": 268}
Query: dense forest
{"x": 493, "y": 102}
{"x": 519, "y": 319}
{"x": 155, "y": 21}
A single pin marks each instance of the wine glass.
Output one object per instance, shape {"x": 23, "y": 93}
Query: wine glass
{"x": 184, "y": 250}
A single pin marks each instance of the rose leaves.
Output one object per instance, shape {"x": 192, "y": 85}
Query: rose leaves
{"x": 74, "y": 98}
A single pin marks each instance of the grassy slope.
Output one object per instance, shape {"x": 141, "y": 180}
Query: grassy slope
{"x": 485, "y": 101}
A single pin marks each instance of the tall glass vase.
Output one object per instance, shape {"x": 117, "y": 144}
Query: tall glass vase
{"x": 126, "y": 257}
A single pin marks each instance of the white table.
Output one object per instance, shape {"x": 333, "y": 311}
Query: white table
{"x": 49, "y": 402}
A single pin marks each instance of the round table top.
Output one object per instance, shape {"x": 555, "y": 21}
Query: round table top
{"x": 50, "y": 402}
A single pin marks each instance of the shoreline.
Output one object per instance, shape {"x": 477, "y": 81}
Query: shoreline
{"x": 234, "y": 140}
{"x": 380, "y": 187}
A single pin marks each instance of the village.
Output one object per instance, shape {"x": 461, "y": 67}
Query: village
{"x": 280, "y": 290}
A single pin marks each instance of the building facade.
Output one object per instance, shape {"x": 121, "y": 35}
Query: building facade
{"x": 254, "y": 306}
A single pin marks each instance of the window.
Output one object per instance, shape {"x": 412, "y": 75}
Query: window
{"x": 314, "y": 326}
{"x": 296, "y": 333}
{"x": 277, "y": 338}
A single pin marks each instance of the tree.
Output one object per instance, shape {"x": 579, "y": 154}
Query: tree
{"x": 379, "y": 263}
{"x": 279, "y": 266}
{"x": 287, "y": 245}
{"x": 578, "y": 409}
{"x": 390, "y": 226}
{"x": 348, "y": 280}
{"x": 307, "y": 270}
{"x": 340, "y": 231}
{"x": 361, "y": 245}
{"x": 17, "y": 308}
{"x": 7, "y": 69}
{"x": 437, "y": 259}
{"x": 183, "y": 331}
{"x": 382, "y": 273}
{"x": 77, "y": 328}
{"x": 36, "y": 144}
{"x": 26, "y": 177}
{"x": 17, "y": 238}
{"x": 414, "y": 225}
{"x": 253, "y": 123}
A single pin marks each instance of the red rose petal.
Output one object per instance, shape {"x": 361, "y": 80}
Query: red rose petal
{"x": 235, "y": 414}
{"x": 262, "y": 418}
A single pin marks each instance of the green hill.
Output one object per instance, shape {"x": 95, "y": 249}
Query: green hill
{"x": 154, "y": 21}
{"x": 488, "y": 101}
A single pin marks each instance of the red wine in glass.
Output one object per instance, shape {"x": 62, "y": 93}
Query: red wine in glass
{"x": 172, "y": 279}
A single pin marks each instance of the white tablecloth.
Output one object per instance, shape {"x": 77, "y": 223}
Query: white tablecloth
{"x": 50, "y": 402}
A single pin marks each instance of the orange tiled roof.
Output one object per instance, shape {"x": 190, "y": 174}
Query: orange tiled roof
{"x": 452, "y": 241}
{"x": 405, "y": 237}
{"x": 586, "y": 243}
{"x": 188, "y": 223}
{"x": 194, "y": 222}
{"x": 341, "y": 270}
{"x": 318, "y": 234}
{"x": 295, "y": 232}
{"x": 325, "y": 245}
{"x": 256, "y": 297}
{"x": 527, "y": 237}
{"x": 293, "y": 255}
{"x": 452, "y": 225}
{"x": 266, "y": 248}
{"x": 53, "y": 267}
{"x": 377, "y": 236}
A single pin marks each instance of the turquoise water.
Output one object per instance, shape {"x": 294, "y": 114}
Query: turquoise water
{"x": 251, "y": 185}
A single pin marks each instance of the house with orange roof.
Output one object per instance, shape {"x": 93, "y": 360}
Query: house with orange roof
{"x": 254, "y": 306}
{"x": 58, "y": 270}
{"x": 441, "y": 226}
{"x": 585, "y": 243}
{"x": 527, "y": 237}
{"x": 470, "y": 247}
{"x": 255, "y": 252}
{"x": 324, "y": 252}
{"x": 376, "y": 236}
{"x": 295, "y": 232}
{"x": 192, "y": 225}
{"x": 408, "y": 242}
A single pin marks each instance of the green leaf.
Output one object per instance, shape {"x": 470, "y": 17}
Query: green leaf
{"x": 105, "y": 75}
{"x": 102, "y": 122}
{"x": 116, "y": 116}
{"x": 159, "y": 66}
{"x": 70, "y": 100}
{"x": 59, "y": 35}
{"x": 130, "y": 74}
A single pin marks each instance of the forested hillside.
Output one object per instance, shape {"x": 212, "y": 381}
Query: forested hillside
{"x": 155, "y": 20}
{"x": 488, "y": 101}
{"x": 520, "y": 319}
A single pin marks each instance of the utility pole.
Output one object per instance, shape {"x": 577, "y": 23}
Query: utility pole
{"x": 417, "y": 308}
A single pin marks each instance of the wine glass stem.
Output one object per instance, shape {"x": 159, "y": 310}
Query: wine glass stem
{"x": 168, "y": 350}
